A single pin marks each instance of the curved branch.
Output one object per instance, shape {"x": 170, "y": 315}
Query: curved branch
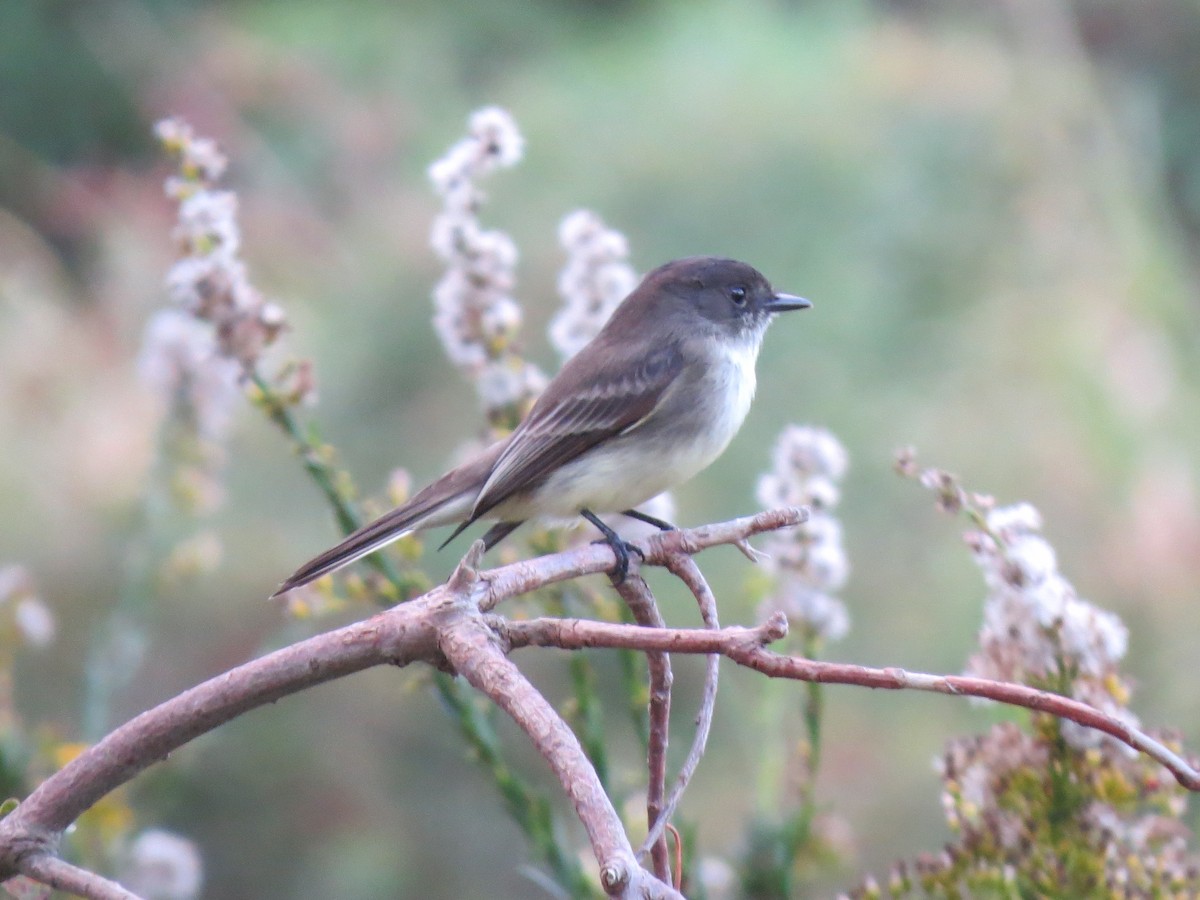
{"x": 471, "y": 648}
{"x": 399, "y": 636}
{"x": 406, "y": 633}
{"x": 61, "y": 875}
{"x": 685, "y": 569}
{"x": 745, "y": 646}
{"x": 637, "y": 596}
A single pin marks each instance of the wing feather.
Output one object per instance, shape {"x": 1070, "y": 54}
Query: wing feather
{"x": 565, "y": 424}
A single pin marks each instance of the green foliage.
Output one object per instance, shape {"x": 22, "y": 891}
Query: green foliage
{"x": 530, "y": 809}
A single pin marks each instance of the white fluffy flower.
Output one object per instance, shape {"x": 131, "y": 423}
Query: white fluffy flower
{"x": 810, "y": 560}
{"x": 1018, "y": 519}
{"x": 179, "y": 361}
{"x": 35, "y": 622}
{"x": 160, "y": 865}
{"x": 811, "y": 451}
{"x": 475, "y": 316}
{"x": 496, "y": 130}
{"x": 596, "y": 278}
{"x": 208, "y": 222}
{"x": 1035, "y": 624}
{"x": 508, "y": 381}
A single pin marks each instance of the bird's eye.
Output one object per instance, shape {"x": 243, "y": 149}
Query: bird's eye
{"x": 738, "y": 296}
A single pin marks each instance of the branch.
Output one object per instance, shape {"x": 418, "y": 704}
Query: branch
{"x": 745, "y": 646}
{"x": 399, "y": 636}
{"x": 471, "y": 648}
{"x": 61, "y": 875}
{"x": 637, "y": 596}
{"x": 685, "y": 569}
{"x": 522, "y": 577}
{"x": 406, "y": 633}
{"x": 446, "y": 626}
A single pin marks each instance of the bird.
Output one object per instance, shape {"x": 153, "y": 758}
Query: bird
{"x": 649, "y": 402}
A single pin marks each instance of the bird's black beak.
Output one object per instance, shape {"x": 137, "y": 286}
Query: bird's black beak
{"x": 784, "y": 302}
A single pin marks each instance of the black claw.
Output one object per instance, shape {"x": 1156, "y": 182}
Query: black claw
{"x": 620, "y": 548}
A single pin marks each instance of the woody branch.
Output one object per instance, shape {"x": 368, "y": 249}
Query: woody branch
{"x": 421, "y": 630}
{"x": 452, "y": 627}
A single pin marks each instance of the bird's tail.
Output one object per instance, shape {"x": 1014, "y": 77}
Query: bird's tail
{"x": 449, "y": 499}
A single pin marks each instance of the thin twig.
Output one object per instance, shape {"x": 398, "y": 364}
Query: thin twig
{"x": 528, "y": 575}
{"x": 685, "y": 569}
{"x": 638, "y": 597}
{"x": 61, "y": 875}
{"x": 745, "y": 647}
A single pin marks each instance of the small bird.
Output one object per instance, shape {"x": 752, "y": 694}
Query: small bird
{"x": 654, "y": 398}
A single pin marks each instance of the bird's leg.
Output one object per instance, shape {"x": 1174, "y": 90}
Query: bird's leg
{"x": 660, "y": 524}
{"x": 499, "y": 532}
{"x": 620, "y": 548}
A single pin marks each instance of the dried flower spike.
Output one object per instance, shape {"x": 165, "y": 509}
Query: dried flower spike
{"x": 475, "y": 316}
{"x": 809, "y": 561}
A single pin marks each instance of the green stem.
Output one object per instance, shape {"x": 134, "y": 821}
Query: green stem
{"x": 323, "y": 474}
{"x": 591, "y": 715}
{"x": 530, "y": 810}
{"x": 801, "y": 826}
{"x": 117, "y": 642}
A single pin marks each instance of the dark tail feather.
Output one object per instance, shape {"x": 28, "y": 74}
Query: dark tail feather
{"x": 390, "y": 527}
{"x": 437, "y": 504}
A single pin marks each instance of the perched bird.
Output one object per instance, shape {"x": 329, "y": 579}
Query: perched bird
{"x": 654, "y": 398}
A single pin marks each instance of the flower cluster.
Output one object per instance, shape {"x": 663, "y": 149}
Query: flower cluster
{"x": 475, "y": 314}
{"x": 163, "y": 866}
{"x": 1055, "y": 808}
{"x": 179, "y": 363}
{"x": 1036, "y": 630}
{"x": 809, "y": 561}
{"x": 595, "y": 279}
{"x": 196, "y": 353}
{"x": 209, "y": 279}
{"x": 1032, "y": 815}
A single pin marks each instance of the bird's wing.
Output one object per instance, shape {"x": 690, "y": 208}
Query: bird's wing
{"x": 564, "y": 424}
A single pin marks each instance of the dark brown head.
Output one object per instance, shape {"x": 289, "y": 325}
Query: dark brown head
{"x": 727, "y": 295}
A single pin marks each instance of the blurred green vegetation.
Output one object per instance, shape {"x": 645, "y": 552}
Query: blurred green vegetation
{"x": 996, "y": 211}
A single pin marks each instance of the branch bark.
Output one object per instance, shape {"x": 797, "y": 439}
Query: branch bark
{"x": 410, "y": 632}
{"x": 450, "y": 628}
{"x": 636, "y": 594}
{"x": 685, "y": 569}
{"x": 746, "y": 646}
{"x": 61, "y": 875}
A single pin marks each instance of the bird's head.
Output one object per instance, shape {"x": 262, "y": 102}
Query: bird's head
{"x": 730, "y": 296}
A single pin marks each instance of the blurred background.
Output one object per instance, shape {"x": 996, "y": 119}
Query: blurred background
{"x": 995, "y": 209}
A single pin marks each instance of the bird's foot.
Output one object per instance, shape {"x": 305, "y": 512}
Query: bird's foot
{"x": 621, "y": 548}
